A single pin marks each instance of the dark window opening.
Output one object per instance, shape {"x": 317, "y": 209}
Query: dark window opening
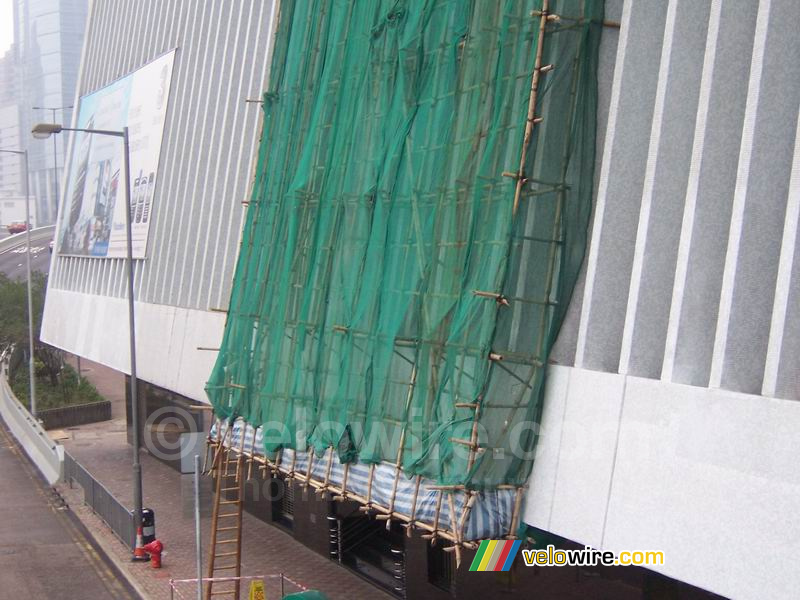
{"x": 441, "y": 568}
{"x": 374, "y": 552}
{"x": 283, "y": 502}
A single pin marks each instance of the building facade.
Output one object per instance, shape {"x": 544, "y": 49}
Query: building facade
{"x": 671, "y": 412}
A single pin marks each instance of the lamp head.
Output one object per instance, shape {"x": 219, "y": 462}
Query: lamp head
{"x": 42, "y": 131}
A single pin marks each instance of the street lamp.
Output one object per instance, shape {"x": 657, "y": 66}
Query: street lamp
{"x": 31, "y": 371}
{"x": 43, "y": 131}
{"x": 55, "y": 170}
{"x": 56, "y": 186}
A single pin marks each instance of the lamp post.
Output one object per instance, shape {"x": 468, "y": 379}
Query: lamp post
{"x": 31, "y": 372}
{"x": 55, "y": 170}
{"x": 55, "y": 185}
{"x": 43, "y": 131}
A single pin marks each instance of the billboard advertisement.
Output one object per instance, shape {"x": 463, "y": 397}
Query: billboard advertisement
{"x": 92, "y": 217}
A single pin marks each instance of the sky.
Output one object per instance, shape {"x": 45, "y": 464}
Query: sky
{"x": 6, "y": 25}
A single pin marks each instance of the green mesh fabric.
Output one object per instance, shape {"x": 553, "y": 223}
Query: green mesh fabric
{"x": 381, "y": 223}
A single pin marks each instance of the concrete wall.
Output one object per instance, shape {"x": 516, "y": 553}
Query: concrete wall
{"x": 167, "y": 338}
{"x": 709, "y": 477}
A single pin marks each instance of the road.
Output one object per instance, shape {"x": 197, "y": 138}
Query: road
{"x": 12, "y": 259}
{"x": 44, "y": 550}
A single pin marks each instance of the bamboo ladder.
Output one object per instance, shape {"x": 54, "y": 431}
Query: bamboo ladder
{"x": 226, "y": 516}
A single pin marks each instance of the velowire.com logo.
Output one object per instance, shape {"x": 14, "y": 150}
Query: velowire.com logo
{"x": 495, "y": 555}
{"x": 498, "y": 555}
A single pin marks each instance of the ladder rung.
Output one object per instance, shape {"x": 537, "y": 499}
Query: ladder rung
{"x": 219, "y": 593}
{"x": 225, "y": 567}
{"x": 229, "y": 502}
{"x": 230, "y": 489}
{"x": 225, "y": 554}
{"x": 227, "y": 541}
{"x": 227, "y": 529}
{"x": 228, "y": 515}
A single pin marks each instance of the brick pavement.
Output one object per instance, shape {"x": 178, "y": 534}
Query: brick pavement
{"x": 103, "y": 450}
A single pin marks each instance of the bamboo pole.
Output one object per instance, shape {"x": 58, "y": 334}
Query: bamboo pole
{"x": 241, "y": 452}
{"x": 401, "y": 445}
{"x": 531, "y": 119}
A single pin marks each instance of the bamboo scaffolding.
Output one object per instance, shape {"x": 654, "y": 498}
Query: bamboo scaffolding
{"x": 458, "y": 522}
{"x": 410, "y": 521}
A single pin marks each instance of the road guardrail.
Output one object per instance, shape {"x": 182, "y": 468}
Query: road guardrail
{"x": 47, "y": 455}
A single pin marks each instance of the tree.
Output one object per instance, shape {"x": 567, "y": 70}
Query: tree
{"x": 14, "y": 319}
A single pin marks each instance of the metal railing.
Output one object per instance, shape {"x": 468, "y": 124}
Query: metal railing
{"x": 274, "y": 586}
{"x": 101, "y": 501}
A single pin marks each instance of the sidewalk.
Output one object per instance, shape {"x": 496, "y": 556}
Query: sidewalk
{"x": 103, "y": 450}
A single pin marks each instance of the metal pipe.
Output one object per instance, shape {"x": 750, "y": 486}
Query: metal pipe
{"x": 197, "y": 540}
{"x": 55, "y": 177}
{"x": 31, "y": 370}
{"x": 137, "y": 467}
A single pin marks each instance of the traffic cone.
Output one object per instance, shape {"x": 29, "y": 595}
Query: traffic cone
{"x": 139, "y": 554}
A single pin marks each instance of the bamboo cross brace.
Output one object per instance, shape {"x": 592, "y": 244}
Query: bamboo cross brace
{"x": 414, "y": 506}
{"x": 436, "y": 517}
{"x": 294, "y": 462}
{"x": 241, "y": 452}
{"x": 515, "y": 513}
{"x": 221, "y": 447}
{"x": 251, "y": 457}
{"x": 369, "y": 485}
{"x": 326, "y": 483}
{"x": 344, "y": 480}
{"x": 310, "y": 467}
{"x": 216, "y": 447}
{"x": 465, "y": 514}
{"x": 474, "y": 436}
{"x": 451, "y": 507}
{"x": 401, "y": 445}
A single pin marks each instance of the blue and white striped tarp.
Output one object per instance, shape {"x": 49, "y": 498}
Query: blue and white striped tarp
{"x": 489, "y": 518}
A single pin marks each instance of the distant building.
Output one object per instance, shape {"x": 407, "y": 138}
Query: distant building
{"x": 11, "y": 183}
{"x": 48, "y": 38}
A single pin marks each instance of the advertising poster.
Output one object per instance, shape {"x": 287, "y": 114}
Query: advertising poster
{"x": 92, "y": 217}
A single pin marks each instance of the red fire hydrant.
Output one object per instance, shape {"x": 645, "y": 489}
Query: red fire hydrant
{"x": 154, "y": 549}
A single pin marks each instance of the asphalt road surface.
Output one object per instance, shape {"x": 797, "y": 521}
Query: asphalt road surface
{"x": 44, "y": 550}
{"x": 12, "y": 260}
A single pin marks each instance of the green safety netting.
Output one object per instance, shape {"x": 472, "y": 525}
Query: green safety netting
{"x": 387, "y": 302}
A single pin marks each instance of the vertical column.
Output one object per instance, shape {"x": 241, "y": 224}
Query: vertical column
{"x": 679, "y": 284}
{"x": 783, "y": 348}
{"x": 711, "y": 185}
{"x": 665, "y": 186}
{"x": 620, "y": 188}
{"x": 757, "y": 225}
